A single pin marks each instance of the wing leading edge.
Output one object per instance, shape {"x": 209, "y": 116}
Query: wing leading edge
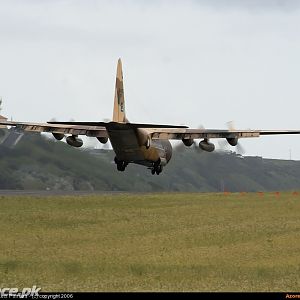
{"x": 156, "y": 131}
{"x": 189, "y": 133}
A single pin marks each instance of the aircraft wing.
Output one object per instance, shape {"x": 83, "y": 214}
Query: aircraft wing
{"x": 88, "y": 130}
{"x": 157, "y": 131}
{"x": 180, "y": 133}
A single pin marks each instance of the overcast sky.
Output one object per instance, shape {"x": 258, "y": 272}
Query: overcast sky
{"x": 184, "y": 62}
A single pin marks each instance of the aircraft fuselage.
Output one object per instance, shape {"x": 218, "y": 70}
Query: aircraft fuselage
{"x": 130, "y": 146}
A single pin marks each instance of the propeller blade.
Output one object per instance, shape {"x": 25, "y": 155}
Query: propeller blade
{"x": 223, "y": 145}
{"x": 230, "y": 125}
{"x": 179, "y": 147}
{"x": 240, "y": 149}
{"x": 196, "y": 147}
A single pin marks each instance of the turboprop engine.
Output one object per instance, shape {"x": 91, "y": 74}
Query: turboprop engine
{"x": 102, "y": 140}
{"x": 207, "y": 146}
{"x": 58, "y": 136}
{"x": 188, "y": 142}
{"x": 74, "y": 141}
{"x": 232, "y": 141}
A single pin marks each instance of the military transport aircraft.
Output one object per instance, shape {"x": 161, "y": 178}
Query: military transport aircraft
{"x": 144, "y": 144}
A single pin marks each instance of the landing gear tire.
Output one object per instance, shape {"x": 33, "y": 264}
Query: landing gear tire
{"x": 156, "y": 169}
{"x": 121, "y": 165}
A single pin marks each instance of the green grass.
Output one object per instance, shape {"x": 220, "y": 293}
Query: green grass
{"x": 157, "y": 242}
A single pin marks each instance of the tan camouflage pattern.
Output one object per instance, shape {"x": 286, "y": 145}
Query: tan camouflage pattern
{"x": 119, "y": 101}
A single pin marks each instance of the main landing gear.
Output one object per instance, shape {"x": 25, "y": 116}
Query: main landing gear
{"x": 121, "y": 165}
{"x": 157, "y": 168}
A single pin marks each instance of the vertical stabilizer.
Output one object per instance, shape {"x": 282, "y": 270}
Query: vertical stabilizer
{"x": 119, "y": 101}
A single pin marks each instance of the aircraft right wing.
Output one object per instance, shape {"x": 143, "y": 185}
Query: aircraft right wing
{"x": 88, "y": 130}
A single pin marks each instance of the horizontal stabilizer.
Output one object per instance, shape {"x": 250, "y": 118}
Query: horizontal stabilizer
{"x": 115, "y": 124}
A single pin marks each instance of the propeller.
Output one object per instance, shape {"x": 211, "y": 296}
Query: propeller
{"x": 180, "y": 147}
{"x": 93, "y": 143}
{"x": 196, "y": 147}
{"x": 225, "y": 146}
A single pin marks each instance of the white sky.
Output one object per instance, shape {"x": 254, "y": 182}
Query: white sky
{"x": 184, "y": 62}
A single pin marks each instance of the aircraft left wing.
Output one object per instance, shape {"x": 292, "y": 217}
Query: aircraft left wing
{"x": 92, "y": 131}
{"x": 180, "y": 133}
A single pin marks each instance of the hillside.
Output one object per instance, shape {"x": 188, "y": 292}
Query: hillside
{"x": 40, "y": 163}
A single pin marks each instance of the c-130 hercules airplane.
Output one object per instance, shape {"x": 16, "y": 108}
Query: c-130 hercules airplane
{"x": 143, "y": 144}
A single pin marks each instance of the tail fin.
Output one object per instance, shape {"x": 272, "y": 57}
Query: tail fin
{"x": 119, "y": 102}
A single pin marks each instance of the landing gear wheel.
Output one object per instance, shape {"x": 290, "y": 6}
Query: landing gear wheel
{"x": 121, "y": 165}
{"x": 158, "y": 170}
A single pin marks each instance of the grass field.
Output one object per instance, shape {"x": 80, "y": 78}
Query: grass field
{"x": 157, "y": 242}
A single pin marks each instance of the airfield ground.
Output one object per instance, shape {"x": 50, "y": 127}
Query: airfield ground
{"x": 155, "y": 242}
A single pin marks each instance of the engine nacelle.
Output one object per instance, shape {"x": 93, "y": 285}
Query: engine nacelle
{"x": 74, "y": 141}
{"x": 188, "y": 142}
{"x": 143, "y": 137}
{"x": 102, "y": 140}
{"x": 207, "y": 146}
{"x": 232, "y": 141}
{"x": 58, "y": 136}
